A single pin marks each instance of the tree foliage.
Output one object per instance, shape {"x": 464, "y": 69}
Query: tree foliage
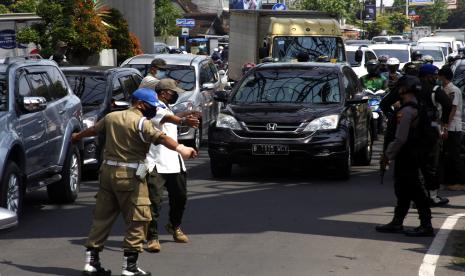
{"x": 122, "y": 40}
{"x": 341, "y": 8}
{"x": 434, "y": 15}
{"x": 165, "y": 18}
{"x": 457, "y": 17}
{"x": 21, "y": 6}
{"x": 398, "y": 22}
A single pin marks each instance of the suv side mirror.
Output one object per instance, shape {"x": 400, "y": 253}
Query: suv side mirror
{"x": 221, "y": 96}
{"x": 34, "y": 104}
{"x": 208, "y": 86}
{"x": 358, "y": 56}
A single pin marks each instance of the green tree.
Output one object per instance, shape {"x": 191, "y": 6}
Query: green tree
{"x": 341, "y": 8}
{"x": 165, "y": 18}
{"x": 434, "y": 15}
{"x": 3, "y": 9}
{"x": 375, "y": 28}
{"x": 398, "y": 22}
{"x": 24, "y": 6}
{"x": 456, "y": 17}
{"x": 120, "y": 37}
{"x": 399, "y": 6}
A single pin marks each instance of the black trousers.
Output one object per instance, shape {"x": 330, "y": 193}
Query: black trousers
{"x": 175, "y": 184}
{"x": 453, "y": 164}
{"x": 430, "y": 167}
{"x": 408, "y": 188}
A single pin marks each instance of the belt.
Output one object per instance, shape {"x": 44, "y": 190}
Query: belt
{"x": 121, "y": 164}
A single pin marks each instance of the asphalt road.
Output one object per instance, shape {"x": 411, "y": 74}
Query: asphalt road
{"x": 261, "y": 221}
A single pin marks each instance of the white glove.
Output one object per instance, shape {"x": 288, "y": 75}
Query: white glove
{"x": 186, "y": 152}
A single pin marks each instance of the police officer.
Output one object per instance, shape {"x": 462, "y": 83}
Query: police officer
{"x": 122, "y": 179}
{"x": 430, "y": 97}
{"x": 404, "y": 150}
{"x": 413, "y": 67}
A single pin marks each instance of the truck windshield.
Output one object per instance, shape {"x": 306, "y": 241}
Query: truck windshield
{"x": 3, "y": 94}
{"x": 286, "y": 48}
{"x": 294, "y": 86}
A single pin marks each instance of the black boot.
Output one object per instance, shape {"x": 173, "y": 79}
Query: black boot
{"x": 130, "y": 267}
{"x": 394, "y": 226}
{"x": 93, "y": 266}
{"x": 421, "y": 231}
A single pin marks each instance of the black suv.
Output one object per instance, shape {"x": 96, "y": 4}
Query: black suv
{"x": 293, "y": 113}
{"x": 38, "y": 114}
{"x": 101, "y": 90}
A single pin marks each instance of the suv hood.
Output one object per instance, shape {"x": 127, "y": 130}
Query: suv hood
{"x": 282, "y": 113}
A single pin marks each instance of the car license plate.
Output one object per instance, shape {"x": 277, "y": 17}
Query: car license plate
{"x": 269, "y": 149}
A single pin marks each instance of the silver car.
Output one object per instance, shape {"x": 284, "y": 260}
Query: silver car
{"x": 197, "y": 75}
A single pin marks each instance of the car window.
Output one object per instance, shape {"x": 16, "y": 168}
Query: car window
{"x": 369, "y": 55}
{"x": 402, "y": 55}
{"x": 293, "y": 86}
{"x": 39, "y": 85}
{"x": 137, "y": 79}
{"x": 90, "y": 89}
{"x": 117, "y": 91}
{"x": 24, "y": 89}
{"x": 143, "y": 68}
{"x": 57, "y": 87}
{"x": 184, "y": 75}
{"x": 349, "y": 84}
{"x": 3, "y": 94}
{"x": 128, "y": 84}
{"x": 214, "y": 72}
{"x": 205, "y": 74}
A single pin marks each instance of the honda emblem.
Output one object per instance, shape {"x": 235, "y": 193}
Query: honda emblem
{"x": 271, "y": 126}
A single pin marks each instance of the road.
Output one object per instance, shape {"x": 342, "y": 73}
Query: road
{"x": 261, "y": 221}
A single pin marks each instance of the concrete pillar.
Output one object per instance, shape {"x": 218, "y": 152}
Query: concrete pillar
{"x": 140, "y": 16}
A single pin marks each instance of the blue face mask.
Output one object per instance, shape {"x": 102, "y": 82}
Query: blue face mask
{"x": 161, "y": 74}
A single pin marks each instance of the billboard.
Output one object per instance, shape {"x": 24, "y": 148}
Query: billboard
{"x": 420, "y": 2}
{"x": 245, "y": 4}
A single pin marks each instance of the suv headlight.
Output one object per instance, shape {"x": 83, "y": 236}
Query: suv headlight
{"x": 183, "y": 106}
{"x": 227, "y": 121}
{"x": 323, "y": 123}
{"x": 89, "y": 121}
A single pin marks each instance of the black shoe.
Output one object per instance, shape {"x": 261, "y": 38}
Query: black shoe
{"x": 93, "y": 266}
{"x": 438, "y": 201}
{"x": 390, "y": 228}
{"x": 421, "y": 231}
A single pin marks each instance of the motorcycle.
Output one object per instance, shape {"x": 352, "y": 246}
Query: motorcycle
{"x": 379, "y": 120}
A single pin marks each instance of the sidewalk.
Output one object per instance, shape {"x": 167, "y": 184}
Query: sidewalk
{"x": 452, "y": 260}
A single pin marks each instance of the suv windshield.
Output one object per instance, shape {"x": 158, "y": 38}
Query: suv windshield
{"x": 90, "y": 88}
{"x": 286, "y": 48}
{"x": 436, "y": 54}
{"x": 3, "y": 94}
{"x": 184, "y": 75}
{"x": 402, "y": 55}
{"x": 295, "y": 86}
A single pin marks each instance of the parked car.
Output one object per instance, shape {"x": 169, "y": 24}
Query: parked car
{"x": 101, "y": 90}
{"x": 435, "y": 51}
{"x": 197, "y": 75}
{"x": 293, "y": 113}
{"x": 448, "y": 42}
{"x": 38, "y": 114}
{"x": 400, "y": 51}
{"x": 382, "y": 39}
{"x": 359, "y": 67}
{"x": 160, "y": 48}
{"x": 357, "y": 42}
{"x": 8, "y": 219}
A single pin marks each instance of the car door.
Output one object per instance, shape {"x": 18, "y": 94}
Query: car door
{"x": 32, "y": 125}
{"x": 360, "y": 110}
{"x": 207, "y": 77}
{"x": 127, "y": 83}
{"x": 118, "y": 91}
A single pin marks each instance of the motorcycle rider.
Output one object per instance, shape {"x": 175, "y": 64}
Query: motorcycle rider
{"x": 393, "y": 74}
{"x": 428, "y": 59}
{"x": 383, "y": 63}
{"x": 413, "y": 67}
{"x": 373, "y": 80}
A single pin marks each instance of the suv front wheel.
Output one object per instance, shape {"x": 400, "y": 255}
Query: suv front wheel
{"x": 12, "y": 189}
{"x": 66, "y": 190}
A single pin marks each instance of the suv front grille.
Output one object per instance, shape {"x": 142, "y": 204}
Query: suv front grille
{"x": 276, "y": 130}
{"x": 286, "y": 127}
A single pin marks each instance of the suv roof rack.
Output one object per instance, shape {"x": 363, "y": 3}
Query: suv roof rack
{"x": 9, "y": 60}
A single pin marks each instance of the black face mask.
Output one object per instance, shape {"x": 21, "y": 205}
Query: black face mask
{"x": 173, "y": 99}
{"x": 149, "y": 112}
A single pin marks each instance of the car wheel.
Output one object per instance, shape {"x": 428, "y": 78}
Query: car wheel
{"x": 220, "y": 167}
{"x": 66, "y": 190}
{"x": 12, "y": 189}
{"x": 197, "y": 141}
{"x": 342, "y": 170}
{"x": 363, "y": 157}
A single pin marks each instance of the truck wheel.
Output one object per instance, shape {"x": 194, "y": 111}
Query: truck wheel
{"x": 220, "y": 167}
{"x": 66, "y": 190}
{"x": 12, "y": 188}
{"x": 363, "y": 157}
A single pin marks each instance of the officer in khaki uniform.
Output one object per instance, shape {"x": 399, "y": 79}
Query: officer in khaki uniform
{"x": 122, "y": 179}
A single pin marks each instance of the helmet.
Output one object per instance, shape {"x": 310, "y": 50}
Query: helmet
{"x": 393, "y": 61}
{"x": 215, "y": 50}
{"x": 247, "y": 67}
{"x": 383, "y": 58}
{"x": 372, "y": 66}
{"x": 428, "y": 59}
{"x": 416, "y": 55}
{"x": 428, "y": 69}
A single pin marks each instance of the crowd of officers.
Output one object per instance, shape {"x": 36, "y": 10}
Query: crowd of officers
{"x": 141, "y": 158}
{"x": 423, "y": 137}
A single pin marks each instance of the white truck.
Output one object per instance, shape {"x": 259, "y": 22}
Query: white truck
{"x": 281, "y": 36}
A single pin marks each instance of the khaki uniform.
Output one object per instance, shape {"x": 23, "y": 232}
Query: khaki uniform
{"x": 120, "y": 189}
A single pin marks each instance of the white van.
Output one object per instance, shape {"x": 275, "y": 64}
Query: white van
{"x": 451, "y": 42}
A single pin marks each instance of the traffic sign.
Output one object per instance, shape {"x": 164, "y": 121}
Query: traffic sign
{"x": 279, "y": 7}
{"x": 185, "y": 22}
{"x": 185, "y": 32}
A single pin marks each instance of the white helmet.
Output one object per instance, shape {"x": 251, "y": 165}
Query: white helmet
{"x": 428, "y": 59}
{"x": 215, "y": 50}
{"x": 393, "y": 61}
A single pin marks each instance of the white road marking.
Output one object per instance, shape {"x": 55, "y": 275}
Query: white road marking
{"x": 431, "y": 258}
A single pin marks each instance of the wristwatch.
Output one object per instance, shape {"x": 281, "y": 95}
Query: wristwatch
{"x": 183, "y": 121}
